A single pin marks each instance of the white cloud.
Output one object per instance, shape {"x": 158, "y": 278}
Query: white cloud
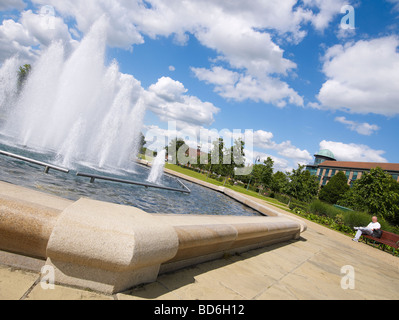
{"x": 323, "y": 11}
{"x": 231, "y": 28}
{"x": 44, "y": 31}
{"x": 172, "y": 68}
{"x": 22, "y": 37}
{"x": 280, "y": 164}
{"x": 12, "y": 4}
{"x": 15, "y": 39}
{"x": 122, "y": 31}
{"x": 395, "y": 4}
{"x": 168, "y": 99}
{"x": 353, "y": 152}
{"x": 365, "y": 129}
{"x": 362, "y": 77}
{"x": 239, "y": 87}
{"x": 240, "y": 32}
{"x": 264, "y": 140}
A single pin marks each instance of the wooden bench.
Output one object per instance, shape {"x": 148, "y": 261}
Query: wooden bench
{"x": 387, "y": 238}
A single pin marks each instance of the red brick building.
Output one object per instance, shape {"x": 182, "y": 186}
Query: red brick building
{"x": 326, "y": 166}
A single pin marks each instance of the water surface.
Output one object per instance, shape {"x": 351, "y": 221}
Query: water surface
{"x": 69, "y": 186}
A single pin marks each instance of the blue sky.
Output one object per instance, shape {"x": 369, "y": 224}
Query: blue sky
{"x": 285, "y": 69}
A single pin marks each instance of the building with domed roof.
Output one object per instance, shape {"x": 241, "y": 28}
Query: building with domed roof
{"x": 326, "y": 166}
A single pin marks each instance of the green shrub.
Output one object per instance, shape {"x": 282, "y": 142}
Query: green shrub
{"x": 318, "y": 207}
{"x": 282, "y": 198}
{"x": 299, "y": 205}
{"x": 324, "y": 209}
{"x": 335, "y": 189}
{"x": 356, "y": 218}
{"x": 339, "y": 219}
{"x": 388, "y": 227}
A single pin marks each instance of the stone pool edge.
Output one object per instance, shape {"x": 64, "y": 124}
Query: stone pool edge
{"x": 110, "y": 248}
{"x": 264, "y": 210}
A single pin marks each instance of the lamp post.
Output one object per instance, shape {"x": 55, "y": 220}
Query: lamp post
{"x": 256, "y": 160}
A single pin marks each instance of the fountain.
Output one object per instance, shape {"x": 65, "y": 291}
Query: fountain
{"x": 157, "y": 168}
{"x": 75, "y": 110}
{"x": 77, "y": 113}
{"x": 75, "y": 106}
{"x": 8, "y": 84}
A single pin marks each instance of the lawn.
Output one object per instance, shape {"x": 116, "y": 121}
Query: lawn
{"x": 237, "y": 188}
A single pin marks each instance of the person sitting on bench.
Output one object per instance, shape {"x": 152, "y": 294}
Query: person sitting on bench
{"x": 369, "y": 230}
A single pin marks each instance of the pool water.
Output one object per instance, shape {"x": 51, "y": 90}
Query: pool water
{"x": 69, "y": 186}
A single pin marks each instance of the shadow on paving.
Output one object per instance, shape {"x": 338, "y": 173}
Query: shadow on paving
{"x": 187, "y": 276}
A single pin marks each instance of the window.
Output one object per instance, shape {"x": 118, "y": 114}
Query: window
{"x": 355, "y": 174}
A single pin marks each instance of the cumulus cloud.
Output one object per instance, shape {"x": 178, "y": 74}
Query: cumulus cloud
{"x": 168, "y": 99}
{"x": 365, "y": 128}
{"x": 325, "y": 11}
{"x": 241, "y": 87}
{"x": 122, "y": 32}
{"x": 240, "y": 32}
{"x": 395, "y": 4}
{"x": 12, "y": 4}
{"x": 362, "y": 77}
{"x": 32, "y": 30}
{"x": 353, "y": 152}
{"x": 264, "y": 140}
{"x": 280, "y": 164}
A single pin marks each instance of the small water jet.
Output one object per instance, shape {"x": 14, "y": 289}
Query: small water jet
{"x": 157, "y": 169}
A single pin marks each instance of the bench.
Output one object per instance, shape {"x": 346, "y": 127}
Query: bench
{"x": 387, "y": 238}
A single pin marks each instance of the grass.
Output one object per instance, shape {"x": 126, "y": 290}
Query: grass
{"x": 237, "y": 188}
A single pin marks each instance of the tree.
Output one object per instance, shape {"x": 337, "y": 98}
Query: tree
{"x": 267, "y": 172}
{"x": 377, "y": 193}
{"x": 217, "y": 156}
{"x": 302, "y": 185}
{"x": 263, "y": 173}
{"x": 335, "y": 189}
{"x": 176, "y": 148}
{"x": 279, "y": 182}
{"x": 238, "y": 155}
{"x": 142, "y": 144}
{"x": 23, "y": 74}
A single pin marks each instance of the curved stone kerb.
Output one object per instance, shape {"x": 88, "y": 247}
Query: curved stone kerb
{"x": 110, "y": 237}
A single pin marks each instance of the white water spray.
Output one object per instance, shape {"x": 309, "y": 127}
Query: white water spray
{"x": 157, "y": 169}
{"x": 78, "y": 107}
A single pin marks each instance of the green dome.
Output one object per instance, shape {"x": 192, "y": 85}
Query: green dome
{"x": 325, "y": 153}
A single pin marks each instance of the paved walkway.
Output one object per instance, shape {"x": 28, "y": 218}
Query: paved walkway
{"x": 306, "y": 269}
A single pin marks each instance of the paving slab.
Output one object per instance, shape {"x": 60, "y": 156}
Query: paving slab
{"x": 64, "y": 293}
{"x": 152, "y": 291}
{"x": 15, "y": 283}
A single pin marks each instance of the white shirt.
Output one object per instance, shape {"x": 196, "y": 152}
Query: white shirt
{"x": 374, "y": 226}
